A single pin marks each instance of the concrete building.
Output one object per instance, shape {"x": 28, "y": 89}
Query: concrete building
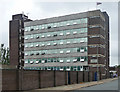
{"x": 76, "y": 42}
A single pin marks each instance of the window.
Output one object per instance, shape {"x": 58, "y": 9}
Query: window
{"x": 48, "y": 35}
{"x": 26, "y": 54}
{"x": 68, "y": 24}
{"x": 37, "y": 45}
{"x": 37, "y": 37}
{"x": 82, "y": 50}
{"x": 74, "y": 60}
{"x": 55, "y": 44}
{"x": 61, "y": 61}
{"x": 61, "y": 69}
{"x": 61, "y": 43}
{"x": 42, "y": 36}
{"x": 61, "y": 34}
{"x": 31, "y": 37}
{"x": 31, "y": 54}
{"x": 68, "y": 33}
{"x": 37, "y": 53}
{"x": 43, "y": 45}
{"x": 31, "y": 62}
{"x": 75, "y": 32}
{"x": 81, "y": 41}
{"x": 37, "y": 62}
{"x": 68, "y": 60}
{"x": 75, "y": 23}
{"x": 26, "y": 38}
{"x": 43, "y": 61}
{"x": 26, "y": 62}
{"x": 68, "y": 51}
{"x": 48, "y": 44}
{"x": 82, "y": 59}
{"x": 61, "y": 51}
{"x": 26, "y": 46}
{"x": 74, "y": 41}
{"x": 54, "y": 35}
{"x": 68, "y": 42}
{"x": 31, "y": 45}
{"x": 68, "y": 68}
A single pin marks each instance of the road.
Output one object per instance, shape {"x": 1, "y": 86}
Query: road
{"x": 112, "y": 85}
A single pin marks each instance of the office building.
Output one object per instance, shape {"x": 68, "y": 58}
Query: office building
{"x": 76, "y": 42}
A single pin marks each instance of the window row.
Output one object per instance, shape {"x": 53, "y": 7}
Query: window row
{"x": 55, "y": 34}
{"x": 60, "y": 68}
{"x": 60, "y": 60}
{"x": 56, "y": 51}
{"x": 58, "y": 24}
{"x": 56, "y": 42}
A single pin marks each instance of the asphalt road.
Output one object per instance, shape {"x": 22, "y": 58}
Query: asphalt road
{"x": 112, "y": 85}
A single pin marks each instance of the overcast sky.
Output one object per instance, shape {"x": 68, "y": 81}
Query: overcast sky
{"x": 36, "y": 9}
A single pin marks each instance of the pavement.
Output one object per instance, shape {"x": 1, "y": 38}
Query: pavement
{"x": 65, "y": 88}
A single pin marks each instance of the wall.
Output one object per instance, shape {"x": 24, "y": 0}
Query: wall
{"x": 33, "y": 79}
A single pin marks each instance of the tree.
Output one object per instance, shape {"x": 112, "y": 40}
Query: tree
{"x": 118, "y": 66}
{"x": 4, "y": 55}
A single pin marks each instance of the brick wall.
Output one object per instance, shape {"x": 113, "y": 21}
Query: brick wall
{"x": 60, "y": 78}
{"x": 35, "y": 79}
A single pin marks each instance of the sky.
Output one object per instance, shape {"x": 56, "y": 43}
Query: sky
{"x": 40, "y": 9}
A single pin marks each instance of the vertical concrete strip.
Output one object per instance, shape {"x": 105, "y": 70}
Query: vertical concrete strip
{"x": 119, "y": 42}
{"x": 0, "y": 77}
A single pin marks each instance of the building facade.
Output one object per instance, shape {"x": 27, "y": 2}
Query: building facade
{"x": 76, "y": 42}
